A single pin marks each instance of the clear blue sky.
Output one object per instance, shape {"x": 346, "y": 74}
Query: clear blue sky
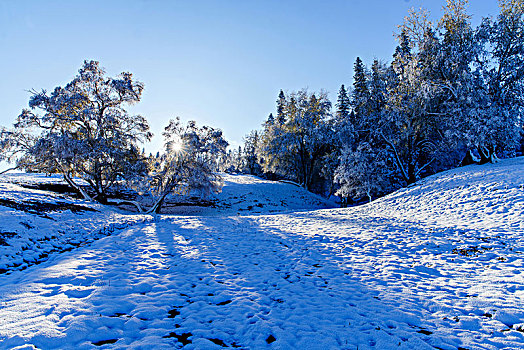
{"x": 221, "y": 63}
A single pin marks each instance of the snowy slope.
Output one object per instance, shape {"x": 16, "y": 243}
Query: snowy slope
{"x": 438, "y": 265}
{"x": 483, "y": 197}
{"x": 35, "y": 223}
{"x": 246, "y": 194}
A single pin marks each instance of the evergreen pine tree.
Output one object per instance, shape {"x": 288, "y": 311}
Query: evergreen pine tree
{"x": 269, "y": 123}
{"x": 360, "y": 91}
{"x": 270, "y": 119}
{"x": 343, "y": 120}
{"x": 402, "y": 54}
{"x": 377, "y": 91}
{"x": 251, "y": 153}
{"x": 281, "y": 102}
{"x": 343, "y": 104}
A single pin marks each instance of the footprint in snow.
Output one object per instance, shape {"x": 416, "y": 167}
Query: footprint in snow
{"x": 78, "y": 293}
{"x": 104, "y": 342}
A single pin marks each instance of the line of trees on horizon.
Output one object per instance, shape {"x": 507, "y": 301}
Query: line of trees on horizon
{"x": 451, "y": 95}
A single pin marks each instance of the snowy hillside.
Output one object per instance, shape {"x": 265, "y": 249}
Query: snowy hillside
{"x": 246, "y": 194}
{"x": 35, "y": 223}
{"x": 475, "y": 197}
{"x": 438, "y": 265}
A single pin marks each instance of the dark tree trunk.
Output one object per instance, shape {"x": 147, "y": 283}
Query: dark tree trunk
{"x": 412, "y": 177}
{"x": 486, "y": 154}
{"x": 468, "y": 159}
{"x": 101, "y": 198}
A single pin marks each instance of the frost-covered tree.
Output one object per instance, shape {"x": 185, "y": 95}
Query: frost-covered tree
{"x": 447, "y": 57}
{"x": 251, "y": 151}
{"x": 342, "y": 121}
{"x": 475, "y": 79}
{"x": 238, "y": 160}
{"x": 360, "y": 94}
{"x": 363, "y": 172}
{"x": 188, "y": 163}
{"x": 378, "y": 84}
{"x": 296, "y": 148}
{"x": 362, "y": 169}
{"x": 281, "y": 103}
{"x": 330, "y": 163}
{"x": 449, "y": 89}
{"x": 396, "y": 119}
{"x": 343, "y": 104}
{"x": 409, "y": 128}
{"x": 496, "y": 129}
{"x": 270, "y": 120}
{"x": 343, "y": 133}
{"x": 83, "y": 130}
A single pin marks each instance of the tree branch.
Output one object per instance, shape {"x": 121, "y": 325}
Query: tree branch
{"x": 123, "y": 201}
{"x": 397, "y": 157}
{"x": 13, "y": 168}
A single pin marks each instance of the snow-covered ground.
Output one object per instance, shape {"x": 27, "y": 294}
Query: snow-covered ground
{"x": 438, "y": 265}
{"x": 35, "y": 224}
{"x": 246, "y": 194}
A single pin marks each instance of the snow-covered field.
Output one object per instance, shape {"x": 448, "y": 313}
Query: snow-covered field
{"x": 438, "y": 265}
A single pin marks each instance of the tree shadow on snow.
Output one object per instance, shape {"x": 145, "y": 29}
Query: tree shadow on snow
{"x": 274, "y": 283}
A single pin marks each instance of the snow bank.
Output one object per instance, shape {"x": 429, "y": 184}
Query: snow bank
{"x": 489, "y": 196}
{"x": 35, "y": 223}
